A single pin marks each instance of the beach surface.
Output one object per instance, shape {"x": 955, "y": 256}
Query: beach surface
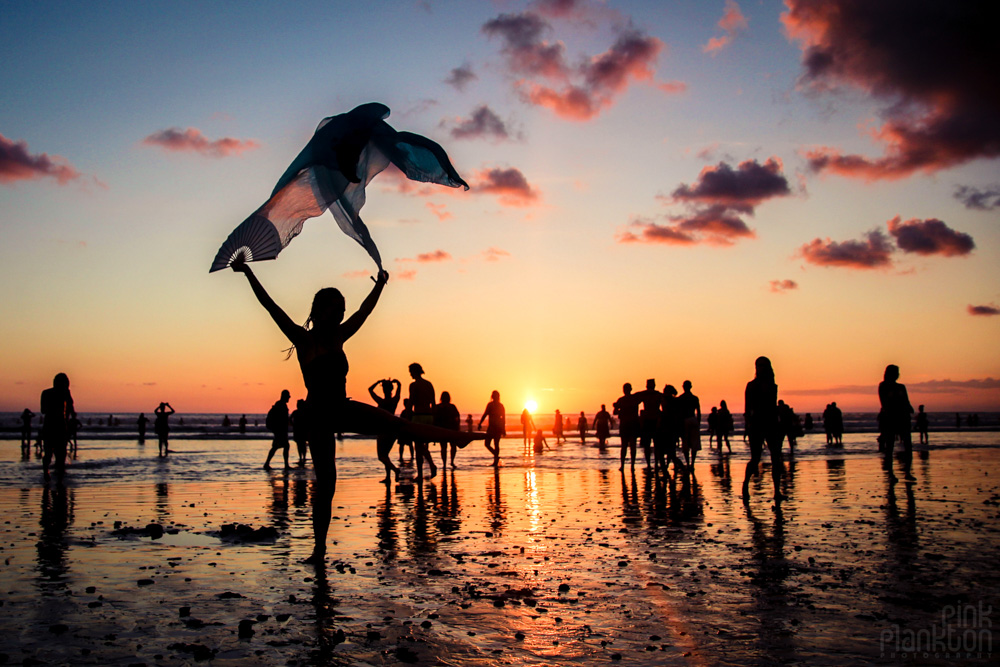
{"x": 554, "y": 558}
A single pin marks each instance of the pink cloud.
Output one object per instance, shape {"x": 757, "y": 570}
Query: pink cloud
{"x": 641, "y": 231}
{"x": 354, "y": 275}
{"x": 983, "y": 311}
{"x": 928, "y": 61}
{"x": 427, "y": 257}
{"x": 732, "y": 23}
{"x": 440, "y": 211}
{"x": 192, "y": 140}
{"x": 929, "y": 237}
{"x": 17, "y": 164}
{"x": 510, "y": 186}
{"x": 782, "y": 286}
{"x": 494, "y": 254}
{"x": 580, "y": 92}
{"x": 875, "y": 252}
{"x": 408, "y": 274}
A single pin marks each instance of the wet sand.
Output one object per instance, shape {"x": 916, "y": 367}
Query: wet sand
{"x": 526, "y": 566}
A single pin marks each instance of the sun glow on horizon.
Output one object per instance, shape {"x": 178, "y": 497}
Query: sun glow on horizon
{"x": 531, "y": 405}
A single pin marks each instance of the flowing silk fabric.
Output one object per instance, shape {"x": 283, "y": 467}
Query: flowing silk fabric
{"x": 345, "y": 153}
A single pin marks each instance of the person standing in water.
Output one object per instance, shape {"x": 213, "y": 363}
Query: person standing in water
{"x": 602, "y": 426}
{"x": 446, "y": 416}
{"x": 581, "y": 426}
{"x": 162, "y": 426}
{"x": 690, "y": 408}
{"x": 894, "y": 419}
{"x": 26, "y": 418}
{"x": 277, "y": 423}
{"x": 57, "y": 412}
{"x": 422, "y": 404}
{"x": 527, "y": 428}
{"x": 300, "y": 430}
{"x": 557, "y": 427}
{"x": 762, "y": 426}
{"x": 319, "y": 349}
{"x": 922, "y": 425}
{"x": 496, "y": 428}
{"x": 391, "y": 390}
{"x": 627, "y": 409}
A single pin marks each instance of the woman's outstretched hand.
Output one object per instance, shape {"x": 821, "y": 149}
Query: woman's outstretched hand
{"x": 383, "y": 277}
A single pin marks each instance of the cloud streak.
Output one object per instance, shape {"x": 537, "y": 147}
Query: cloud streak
{"x": 983, "y": 311}
{"x": 17, "y": 163}
{"x": 782, "y": 286}
{"x": 978, "y": 200}
{"x": 929, "y": 63}
{"x": 926, "y": 387}
{"x": 874, "y": 252}
{"x": 192, "y": 140}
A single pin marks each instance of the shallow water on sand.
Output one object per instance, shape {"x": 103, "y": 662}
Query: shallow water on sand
{"x": 541, "y": 561}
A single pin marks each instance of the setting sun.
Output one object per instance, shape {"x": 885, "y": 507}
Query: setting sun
{"x": 531, "y": 405}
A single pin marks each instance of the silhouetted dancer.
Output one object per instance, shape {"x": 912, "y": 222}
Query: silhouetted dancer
{"x": 649, "y": 416}
{"x": 26, "y": 418}
{"x": 669, "y": 431}
{"x": 922, "y": 425}
{"x": 690, "y": 408}
{"x": 446, "y": 416}
{"x": 894, "y": 420}
{"x": 602, "y": 426}
{"x": 161, "y": 426}
{"x": 557, "y": 427}
{"x": 422, "y": 403}
{"x": 300, "y": 429}
{"x": 140, "y": 424}
{"x": 627, "y": 409}
{"x": 391, "y": 391}
{"x": 760, "y": 414}
{"x": 725, "y": 426}
{"x": 57, "y": 411}
{"x": 277, "y": 423}
{"x": 581, "y": 427}
{"x": 320, "y": 353}
{"x": 527, "y": 428}
{"x": 496, "y": 427}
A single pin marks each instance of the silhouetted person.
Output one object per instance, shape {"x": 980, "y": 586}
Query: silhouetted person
{"x": 140, "y": 425}
{"x": 243, "y": 425}
{"x": 837, "y": 424}
{"x": 790, "y": 425}
{"x": 527, "y": 427}
{"x": 320, "y": 353}
{"x": 470, "y": 424}
{"x": 649, "y": 416}
{"x": 669, "y": 431}
{"x": 627, "y": 409}
{"x": 422, "y": 403}
{"x": 713, "y": 426}
{"x": 496, "y": 427}
{"x": 581, "y": 426}
{"x": 226, "y": 424}
{"x": 540, "y": 443}
{"x": 277, "y": 423}
{"x": 404, "y": 440}
{"x": 57, "y": 411}
{"x": 300, "y": 429}
{"x": 602, "y": 426}
{"x": 922, "y": 425}
{"x": 161, "y": 426}
{"x": 725, "y": 426}
{"x": 446, "y": 416}
{"x": 26, "y": 418}
{"x": 74, "y": 431}
{"x": 808, "y": 421}
{"x": 760, "y": 413}
{"x": 690, "y": 408}
{"x": 391, "y": 391}
{"x": 557, "y": 427}
{"x": 894, "y": 418}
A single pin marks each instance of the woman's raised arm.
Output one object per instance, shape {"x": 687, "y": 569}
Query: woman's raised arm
{"x": 354, "y": 322}
{"x": 291, "y": 330}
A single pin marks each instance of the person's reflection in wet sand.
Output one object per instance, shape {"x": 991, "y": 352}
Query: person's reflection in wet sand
{"x": 328, "y": 635}
{"x": 496, "y": 506}
{"x": 422, "y": 539}
{"x": 278, "y": 507}
{"x": 55, "y": 519}
{"x": 387, "y": 534}
{"x": 631, "y": 510}
{"x": 770, "y": 570}
{"x": 902, "y": 545}
{"x": 449, "y": 511}
{"x": 835, "y": 477}
{"x": 723, "y": 475}
{"x": 161, "y": 490}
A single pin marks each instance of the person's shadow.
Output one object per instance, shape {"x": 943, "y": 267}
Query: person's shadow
{"x": 56, "y": 517}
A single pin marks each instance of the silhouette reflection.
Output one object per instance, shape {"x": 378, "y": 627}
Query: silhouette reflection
{"x": 836, "y": 477}
{"x": 772, "y": 594}
{"x": 449, "y": 511}
{"x": 277, "y": 508}
{"x": 496, "y": 506}
{"x": 56, "y": 517}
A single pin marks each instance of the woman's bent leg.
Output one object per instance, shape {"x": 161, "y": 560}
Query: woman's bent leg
{"x": 325, "y": 463}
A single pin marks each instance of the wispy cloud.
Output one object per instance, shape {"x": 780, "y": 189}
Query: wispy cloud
{"x": 732, "y": 23}
{"x": 427, "y": 257}
{"x": 17, "y": 163}
{"x": 440, "y": 211}
{"x": 495, "y": 254}
{"x": 976, "y": 199}
{"x": 461, "y": 76}
{"x": 192, "y": 140}
{"x": 929, "y": 62}
{"x": 782, "y": 286}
